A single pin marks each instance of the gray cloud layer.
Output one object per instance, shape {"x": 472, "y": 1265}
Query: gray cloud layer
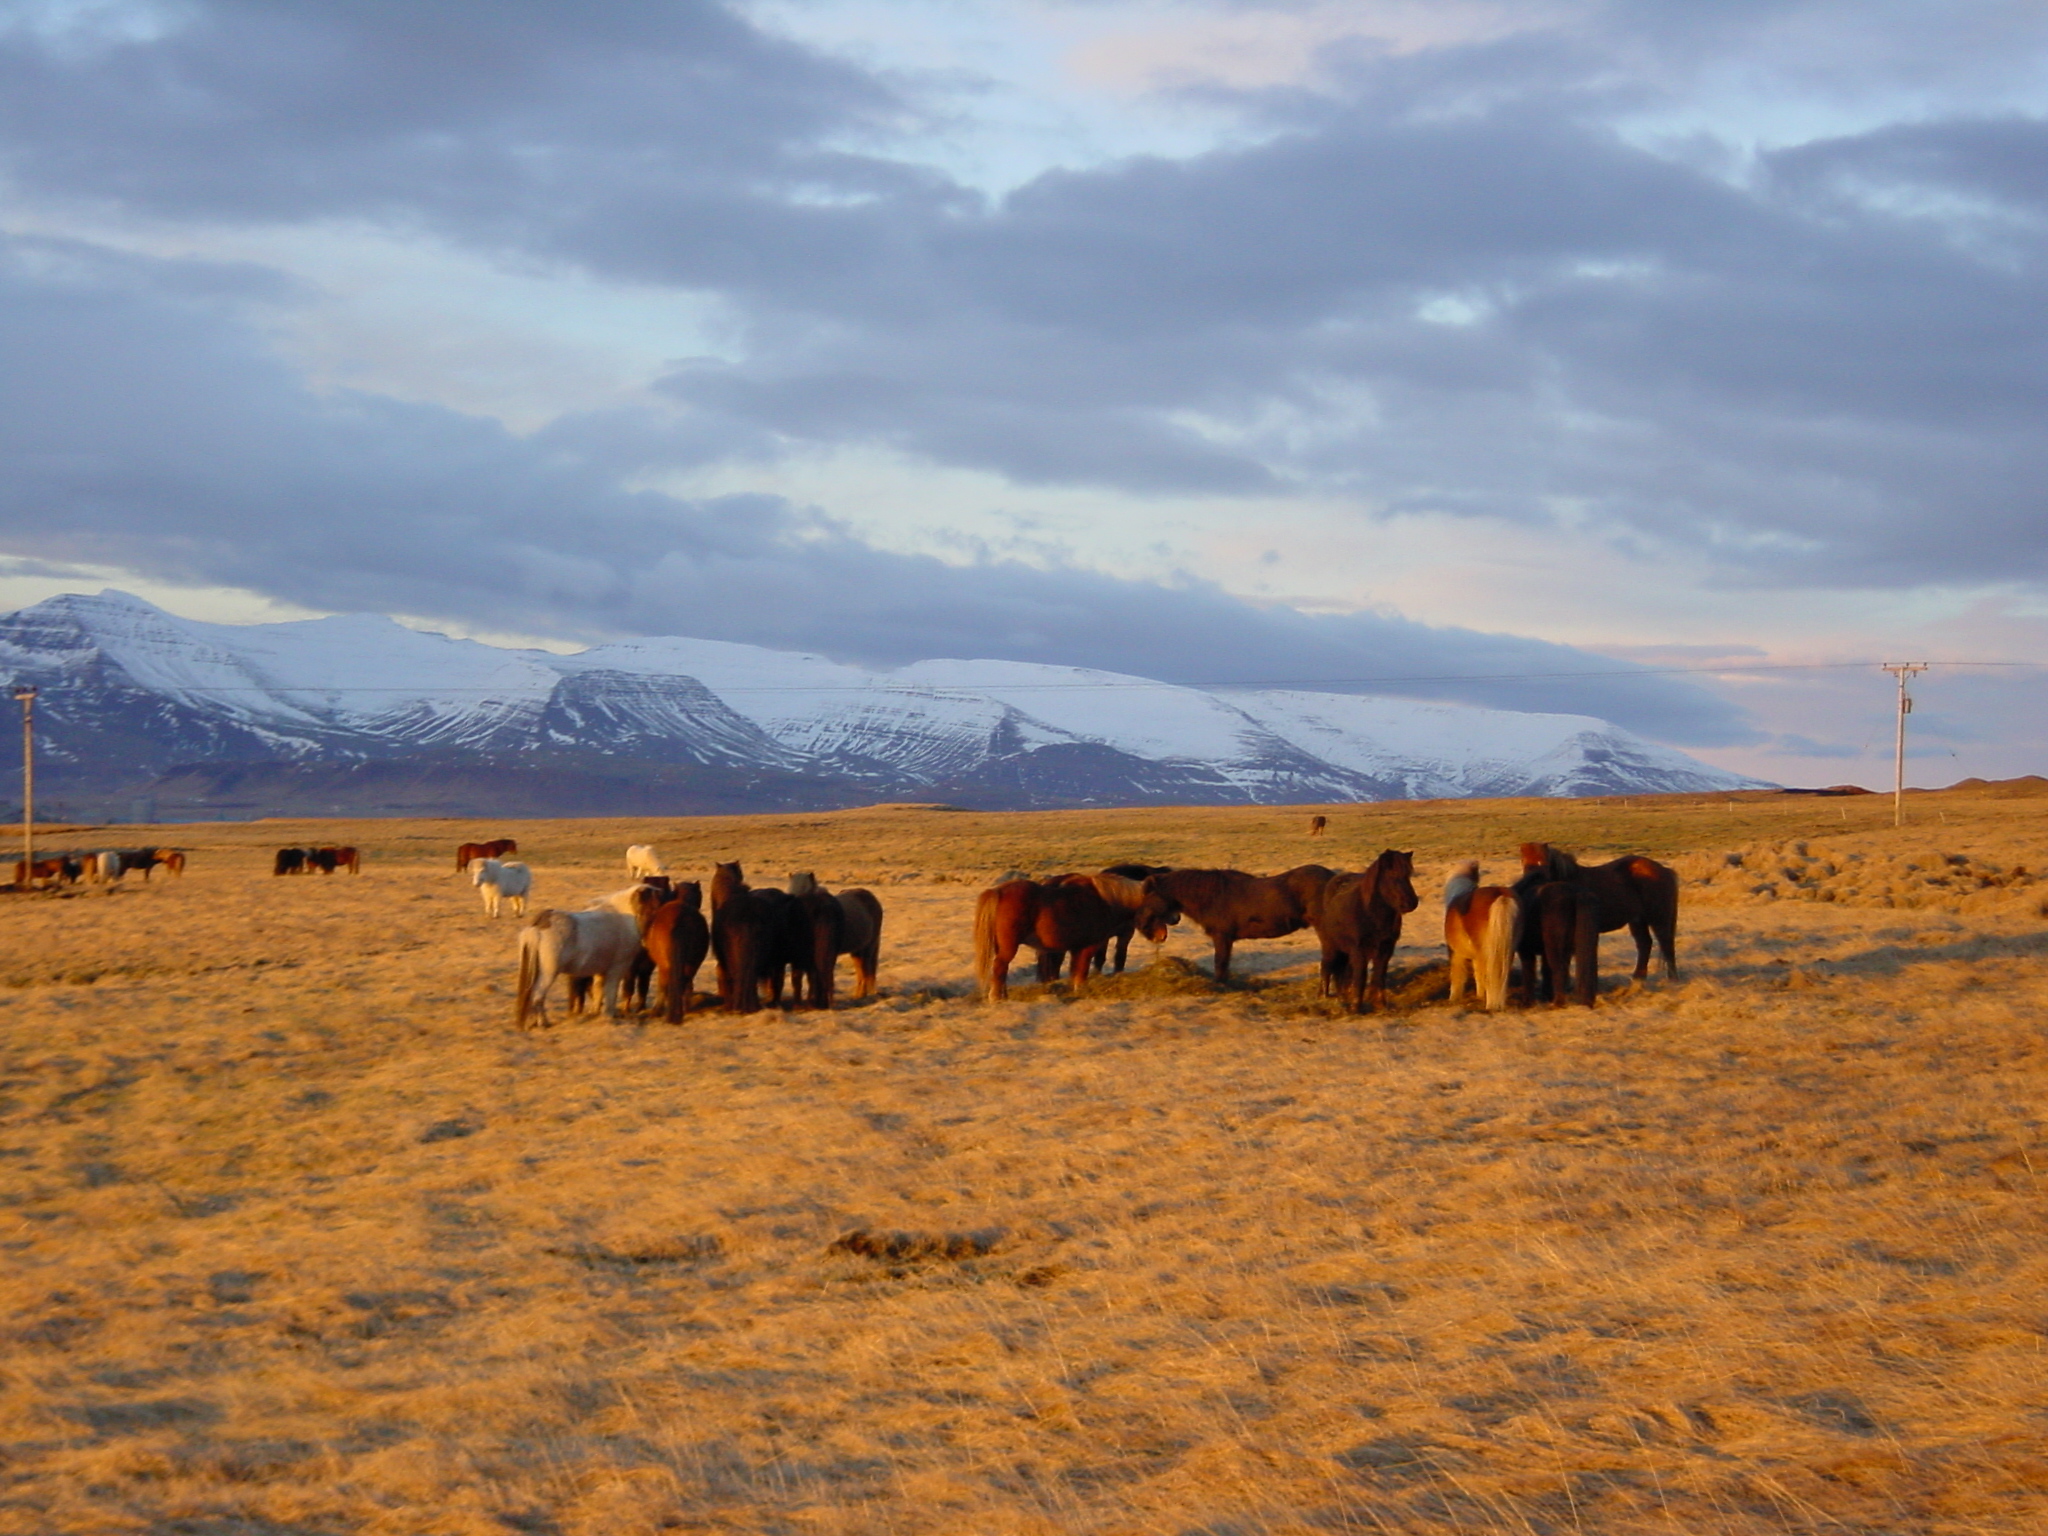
{"x": 1457, "y": 281}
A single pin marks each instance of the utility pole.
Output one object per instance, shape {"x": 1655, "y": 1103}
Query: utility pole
{"x": 1902, "y": 670}
{"x": 25, "y": 694}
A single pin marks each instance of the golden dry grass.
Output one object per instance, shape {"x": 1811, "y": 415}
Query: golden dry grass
{"x": 299, "y": 1235}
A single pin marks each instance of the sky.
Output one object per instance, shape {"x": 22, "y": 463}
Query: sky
{"x": 1668, "y": 362}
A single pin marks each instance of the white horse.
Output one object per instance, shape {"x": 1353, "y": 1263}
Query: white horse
{"x": 501, "y": 881}
{"x": 642, "y": 860}
{"x": 104, "y": 866}
{"x": 1481, "y": 925}
{"x": 601, "y": 943}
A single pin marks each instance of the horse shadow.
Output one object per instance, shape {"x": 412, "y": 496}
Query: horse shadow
{"x": 1882, "y": 960}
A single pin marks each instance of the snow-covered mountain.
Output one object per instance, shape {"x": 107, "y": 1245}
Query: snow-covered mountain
{"x": 332, "y": 714}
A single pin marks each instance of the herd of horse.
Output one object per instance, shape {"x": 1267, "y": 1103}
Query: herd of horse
{"x": 102, "y": 866}
{"x": 648, "y": 941}
{"x": 304, "y": 861}
{"x": 1550, "y": 921}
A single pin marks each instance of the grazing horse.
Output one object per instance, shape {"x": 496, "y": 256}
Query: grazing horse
{"x": 289, "y": 861}
{"x": 64, "y": 869}
{"x": 1317, "y": 825}
{"x": 497, "y": 848}
{"x": 172, "y": 860}
{"x": 321, "y": 859}
{"x": 676, "y": 939}
{"x": 642, "y": 860}
{"x": 745, "y": 925}
{"x": 555, "y": 943}
{"x": 1058, "y": 917}
{"x": 1359, "y": 923}
{"x": 1483, "y": 927}
{"x": 1630, "y": 892}
{"x": 501, "y": 881}
{"x": 1229, "y": 905}
{"x": 1113, "y": 957}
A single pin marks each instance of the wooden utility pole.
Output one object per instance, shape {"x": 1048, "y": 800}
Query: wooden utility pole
{"x": 26, "y": 695}
{"x": 1902, "y": 670}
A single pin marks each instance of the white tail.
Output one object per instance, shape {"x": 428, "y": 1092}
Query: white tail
{"x": 1497, "y": 952}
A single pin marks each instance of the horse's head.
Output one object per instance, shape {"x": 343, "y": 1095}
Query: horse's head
{"x": 1397, "y": 880}
{"x": 481, "y": 870}
{"x": 691, "y": 895}
{"x": 1535, "y": 856}
{"x": 1157, "y": 912}
{"x": 802, "y": 883}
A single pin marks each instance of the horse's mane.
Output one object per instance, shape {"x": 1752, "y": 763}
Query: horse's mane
{"x": 1461, "y": 881}
{"x": 729, "y": 881}
{"x": 1119, "y": 891}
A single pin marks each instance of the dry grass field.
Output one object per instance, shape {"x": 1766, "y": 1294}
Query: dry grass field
{"x": 300, "y": 1236}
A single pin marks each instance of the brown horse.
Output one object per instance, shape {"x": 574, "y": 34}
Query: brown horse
{"x": 860, "y": 928}
{"x": 497, "y": 848}
{"x": 676, "y": 940}
{"x": 1561, "y": 931}
{"x": 1318, "y": 825}
{"x": 1228, "y": 904}
{"x": 1359, "y": 923}
{"x": 1482, "y": 928}
{"x": 1061, "y": 917}
{"x": 1630, "y": 892}
{"x": 170, "y": 860}
{"x": 746, "y": 934}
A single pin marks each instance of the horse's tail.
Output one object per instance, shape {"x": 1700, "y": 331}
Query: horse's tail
{"x": 529, "y": 968}
{"x": 985, "y": 944}
{"x": 1497, "y": 951}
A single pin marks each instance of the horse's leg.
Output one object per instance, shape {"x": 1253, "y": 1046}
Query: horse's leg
{"x": 1666, "y": 929}
{"x": 1586, "y": 957}
{"x": 1123, "y": 949}
{"x": 1224, "y": 942}
{"x": 1086, "y": 958}
{"x": 1050, "y": 964}
{"x": 999, "y": 974}
{"x": 1381, "y": 954}
{"x": 1461, "y": 972}
{"x": 1639, "y": 930}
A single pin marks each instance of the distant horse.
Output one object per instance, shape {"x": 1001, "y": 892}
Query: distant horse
{"x": 641, "y": 859}
{"x": 676, "y": 939}
{"x": 745, "y": 929}
{"x": 105, "y": 867}
{"x": 501, "y": 881}
{"x": 328, "y": 860}
{"x": 1317, "y": 825}
{"x": 64, "y": 869}
{"x": 1483, "y": 927}
{"x": 553, "y": 943}
{"x": 144, "y": 859}
{"x": 289, "y": 861}
{"x": 1359, "y": 923}
{"x": 1060, "y": 917}
{"x": 497, "y": 848}
{"x": 1630, "y": 892}
{"x": 1229, "y": 905}
{"x": 172, "y": 860}
{"x": 321, "y": 859}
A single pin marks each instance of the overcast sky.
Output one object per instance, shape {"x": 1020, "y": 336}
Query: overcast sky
{"x": 1218, "y": 340}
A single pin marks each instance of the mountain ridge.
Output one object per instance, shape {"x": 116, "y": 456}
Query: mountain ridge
{"x": 315, "y": 715}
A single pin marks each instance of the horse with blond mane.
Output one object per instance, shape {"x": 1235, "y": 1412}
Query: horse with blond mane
{"x": 1482, "y": 927}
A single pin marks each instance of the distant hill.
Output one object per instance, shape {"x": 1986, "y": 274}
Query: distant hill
{"x": 358, "y": 715}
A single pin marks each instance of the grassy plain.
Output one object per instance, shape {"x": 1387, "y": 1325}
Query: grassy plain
{"x": 297, "y": 1235}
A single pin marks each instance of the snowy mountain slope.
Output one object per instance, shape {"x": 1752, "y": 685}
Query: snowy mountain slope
{"x": 132, "y": 692}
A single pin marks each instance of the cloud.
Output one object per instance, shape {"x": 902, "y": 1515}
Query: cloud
{"x": 145, "y": 428}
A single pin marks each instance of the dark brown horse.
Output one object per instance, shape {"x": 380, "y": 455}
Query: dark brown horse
{"x": 858, "y": 933}
{"x": 1318, "y": 825}
{"x": 1117, "y": 951}
{"x": 1561, "y": 933}
{"x": 745, "y": 925}
{"x": 1359, "y": 923}
{"x": 289, "y": 861}
{"x": 676, "y": 940}
{"x": 1630, "y": 892}
{"x": 497, "y": 848}
{"x": 1229, "y": 905}
{"x": 813, "y": 928}
{"x": 1061, "y": 918}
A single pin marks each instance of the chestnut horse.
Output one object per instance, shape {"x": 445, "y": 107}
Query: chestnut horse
{"x": 1359, "y": 922}
{"x": 676, "y": 940}
{"x": 1630, "y": 892}
{"x": 1065, "y": 916}
{"x": 497, "y": 848}
{"x": 1482, "y": 928}
{"x": 1228, "y": 904}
